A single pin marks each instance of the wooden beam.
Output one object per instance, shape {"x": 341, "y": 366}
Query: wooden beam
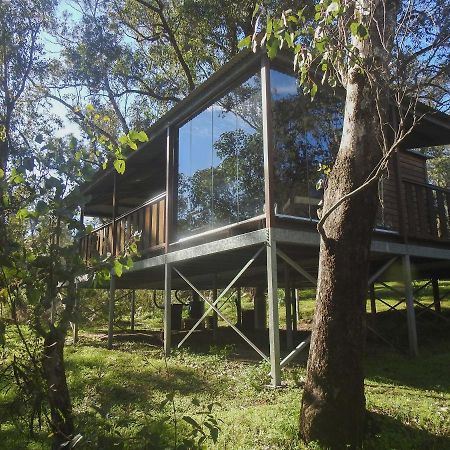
{"x": 267, "y": 142}
{"x": 169, "y": 188}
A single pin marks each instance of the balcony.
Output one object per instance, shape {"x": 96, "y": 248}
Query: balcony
{"x": 427, "y": 211}
{"x": 148, "y": 220}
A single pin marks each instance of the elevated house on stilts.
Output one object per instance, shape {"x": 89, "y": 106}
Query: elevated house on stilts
{"x": 224, "y": 195}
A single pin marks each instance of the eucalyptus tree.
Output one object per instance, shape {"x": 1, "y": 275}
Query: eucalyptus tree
{"x": 21, "y": 53}
{"x": 387, "y": 56}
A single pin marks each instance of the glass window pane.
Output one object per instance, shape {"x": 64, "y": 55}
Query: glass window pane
{"x": 220, "y": 162}
{"x": 306, "y": 134}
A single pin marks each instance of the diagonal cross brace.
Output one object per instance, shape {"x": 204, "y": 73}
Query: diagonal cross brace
{"x": 299, "y": 269}
{"x": 213, "y": 305}
{"x": 222, "y": 294}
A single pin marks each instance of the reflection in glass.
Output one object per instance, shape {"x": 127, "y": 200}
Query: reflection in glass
{"x": 220, "y": 162}
{"x": 306, "y": 134}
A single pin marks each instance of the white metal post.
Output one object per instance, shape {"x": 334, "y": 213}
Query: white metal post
{"x": 274, "y": 321}
{"x": 167, "y": 308}
{"x": 112, "y": 299}
{"x": 410, "y": 314}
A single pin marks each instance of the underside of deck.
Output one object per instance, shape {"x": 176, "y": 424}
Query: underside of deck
{"x": 213, "y": 264}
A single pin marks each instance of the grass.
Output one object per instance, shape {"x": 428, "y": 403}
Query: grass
{"x": 119, "y": 396}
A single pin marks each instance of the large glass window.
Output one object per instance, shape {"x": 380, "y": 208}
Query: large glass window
{"x": 306, "y": 135}
{"x": 220, "y": 162}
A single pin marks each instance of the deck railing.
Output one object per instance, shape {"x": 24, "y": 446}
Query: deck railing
{"x": 427, "y": 211}
{"x": 147, "y": 220}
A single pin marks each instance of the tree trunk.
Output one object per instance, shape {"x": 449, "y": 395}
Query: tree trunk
{"x": 333, "y": 403}
{"x": 57, "y": 390}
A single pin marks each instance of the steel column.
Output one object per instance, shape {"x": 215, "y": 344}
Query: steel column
{"x": 436, "y": 295}
{"x": 288, "y": 308}
{"x": 133, "y": 309}
{"x": 274, "y": 320}
{"x": 411, "y": 318}
{"x": 167, "y": 308}
{"x": 112, "y": 300}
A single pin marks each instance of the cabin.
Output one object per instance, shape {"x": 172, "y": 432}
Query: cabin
{"x": 226, "y": 192}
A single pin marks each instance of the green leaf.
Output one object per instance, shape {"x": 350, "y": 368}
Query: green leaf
{"x": 2, "y": 173}
{"x": 362, "y": 31}
{"x": 272, "y": 49}
{"x": 256, "y": 9}
{"x": 359, "y": 30}
{"x": 119, "y": 165}
{"x": 269, "y": 27}
{"x": 132, "y": 145}
{"x": 89, "y": 107}
{"x": 105, "y": 165}
{"x": 243, "y": 43}
{"x": 142, "y": 136}
{"x": 313, "y": 90}
{"x": 123, "y": 139}
{"x": 22, "y": 214}
{"x": 192, "y": 422}
{"x": 118, "y": 268}
{"x": 288, "y": 37}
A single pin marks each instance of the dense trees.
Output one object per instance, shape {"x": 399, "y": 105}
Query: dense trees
{"x": 117, "y": 65}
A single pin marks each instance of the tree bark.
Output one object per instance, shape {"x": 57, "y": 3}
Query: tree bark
{"x": 333, "y": 403}
{"x": 57, "y": 390}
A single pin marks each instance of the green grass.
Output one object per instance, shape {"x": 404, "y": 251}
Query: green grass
{"x": 117, "y": 396}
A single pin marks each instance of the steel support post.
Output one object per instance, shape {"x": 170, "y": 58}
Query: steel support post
{"x": 215, "y": 317}
{"x": 260, "y": 307}
{"x": 288, "y": 308}
{"x": 112, "y": 300}
{"x": 411, "y": 317}
{"x": 297, "y": 305}
{"x": 133, "y": 309}
{"x": 76, "y": 315}
{"x": 373, "y": 300}
{"x": 274, "y": 321}
{"x": 167, "y": 308}
{"x": 238, "y": 308}
{"x": 436, "y": 295}
{"x": 294, "y": 308}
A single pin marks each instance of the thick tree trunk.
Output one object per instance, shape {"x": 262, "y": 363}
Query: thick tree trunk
{"x": 57, "y": 390}
{"x": 333, "y": 403}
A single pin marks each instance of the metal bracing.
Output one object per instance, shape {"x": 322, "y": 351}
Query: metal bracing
{"x": 297, "y": 267}
{"x": 213, "y": 305}
{"x": 295, "y": 352}
{"x": 381, "y": 270}
{"x": 222, "y": 294}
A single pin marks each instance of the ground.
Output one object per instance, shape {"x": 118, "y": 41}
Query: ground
{"x": 123, "y": 398}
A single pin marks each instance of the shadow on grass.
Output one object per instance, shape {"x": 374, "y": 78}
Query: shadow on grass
{"x": 385, "y": 432}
